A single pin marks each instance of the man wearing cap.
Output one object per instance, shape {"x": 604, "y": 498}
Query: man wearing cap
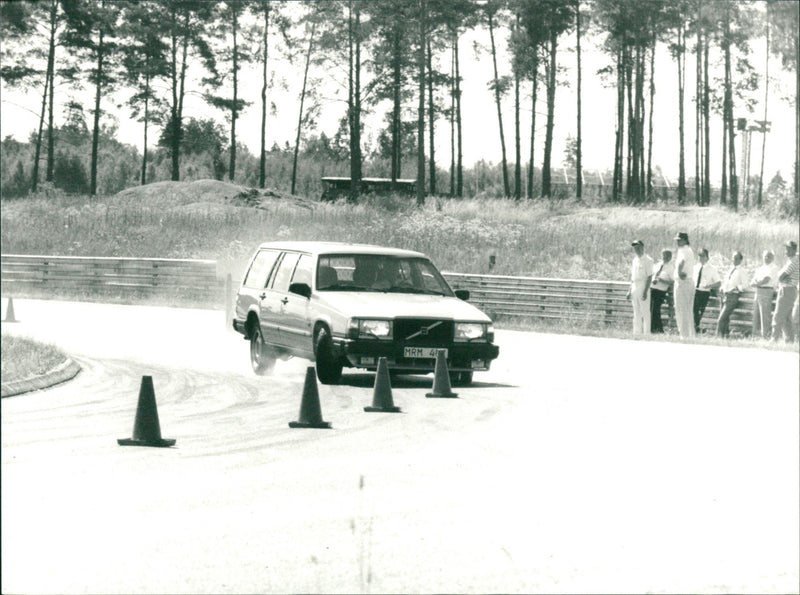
{"x": 706, "y": 279}
{"x": 788, "y": 280}
{"x": 765, "y": 282}
{"x": 732, "y": 289}
{"x": 639, "y": 292}
{"x": 684, "y": 286}
{"x": 662, "y": 283}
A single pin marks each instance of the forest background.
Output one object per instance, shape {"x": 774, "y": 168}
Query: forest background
{"x": 277, "y": 94}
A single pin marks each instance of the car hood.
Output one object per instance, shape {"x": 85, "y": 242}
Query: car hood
{"x": 394, "y": 305}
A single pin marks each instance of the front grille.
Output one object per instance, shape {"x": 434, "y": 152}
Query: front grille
{"x": 423, "y": 332}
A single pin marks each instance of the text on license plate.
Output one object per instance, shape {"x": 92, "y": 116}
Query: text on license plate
{"x": 422, "y": 352}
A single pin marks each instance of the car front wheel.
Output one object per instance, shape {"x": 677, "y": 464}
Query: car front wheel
{"x": 329, "y": 370}
{"x": 262, "y": 358}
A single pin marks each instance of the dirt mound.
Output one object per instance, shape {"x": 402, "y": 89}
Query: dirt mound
{"x": 203, "y": 195}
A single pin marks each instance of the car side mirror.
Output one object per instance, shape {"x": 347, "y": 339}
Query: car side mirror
{"x": 303, "y": 289}
{"x": 462, "y": 294}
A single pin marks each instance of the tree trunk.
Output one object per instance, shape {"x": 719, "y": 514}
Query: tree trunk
{"x": 453, "y": 117}
{"x": 723, "y": 189}
{"x": 629, "y": 189}
{"x": 96, "y": 123}
{"x": 650, "y": 120}
{"x": 459, "y": 137}
{"x": 354, "y": 107}
{"x": 764, "y": 123}
{"x": 302, "y": 101}
{"x": 421, "y": 106}
{"x": 431, "y": 124}
{"x": 579, "y": 156}
{"x": 146, "y": 121}
{"x": 52, "y": 73}
{"x": 262, "y": 161}
{"x": 620, "y": 132}
{"x": 396, "y": 140}
{"x": 706, "y": 128}
{"x": 45, "y": 93}
{"x": 234, "y": 107}
{"x": 551, "y": 103}
{"x": 681, "y": 85}
{"x": 698, "y": 159}
{"x": 734, "y": 183}
{"x": 797, "y": 120}
{"x": 517, "y": 143}
{"x": 531, "y": 162}
{"x": 506, "y": 185}
{"x": 174, "y": 123}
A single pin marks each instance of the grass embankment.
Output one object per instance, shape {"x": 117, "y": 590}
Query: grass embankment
{"x": 532, "y": 238}
{"x": 23, "y": 358}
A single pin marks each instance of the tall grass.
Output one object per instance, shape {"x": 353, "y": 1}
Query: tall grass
{"x": 532, "y": 238}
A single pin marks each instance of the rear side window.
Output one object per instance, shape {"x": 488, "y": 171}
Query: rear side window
{"x": 284, "y": 272}
{"x": 302, "y": 272}
{"x": 260, "y": 269}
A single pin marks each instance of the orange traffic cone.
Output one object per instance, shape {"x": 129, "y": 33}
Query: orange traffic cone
{"x": 382, "y": 393}
{"x": 146, "y": 429}
{"x": 10, "y": 311}
{"x": 441, "y": 378}
{"x": 310, "y": 411}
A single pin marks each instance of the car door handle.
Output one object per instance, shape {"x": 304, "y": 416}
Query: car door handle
{"x": 285, "y": 301}
{"x": 262, "y": 296}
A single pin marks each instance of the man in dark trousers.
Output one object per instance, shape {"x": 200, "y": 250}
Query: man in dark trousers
{"x": 662, "y": 283}
{"x": 706, "y": 280}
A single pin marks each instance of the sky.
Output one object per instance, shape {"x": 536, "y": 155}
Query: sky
{"x": 19, "y": 112}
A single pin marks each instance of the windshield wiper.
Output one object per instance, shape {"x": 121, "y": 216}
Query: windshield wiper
{"x": 406, "y": 289}
{"x": 347, "y": 288}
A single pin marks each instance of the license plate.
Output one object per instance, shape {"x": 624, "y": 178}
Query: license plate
{"x": 422, "y": 352}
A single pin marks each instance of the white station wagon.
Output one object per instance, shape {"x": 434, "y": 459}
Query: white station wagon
{"x": 346, "y": 305}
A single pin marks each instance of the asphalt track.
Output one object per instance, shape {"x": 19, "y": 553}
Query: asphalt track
{"x": 575, "y": 465}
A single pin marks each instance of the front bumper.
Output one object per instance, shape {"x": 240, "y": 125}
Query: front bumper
{"x": 461, "y": 357}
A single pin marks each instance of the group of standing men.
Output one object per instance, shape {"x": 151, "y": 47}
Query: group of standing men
{"x": 693, "y": 283}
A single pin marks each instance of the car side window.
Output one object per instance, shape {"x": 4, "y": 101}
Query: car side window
{"x": 302, "y": 272}
{"x": 284, "y": 273}
{"x": 260, "y": 269}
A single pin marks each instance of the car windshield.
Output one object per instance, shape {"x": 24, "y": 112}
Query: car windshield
{"x": 379, "y": 273}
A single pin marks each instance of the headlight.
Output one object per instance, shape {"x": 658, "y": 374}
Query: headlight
{"x": 370, "y": 329}
{"x": 471, "y": 331}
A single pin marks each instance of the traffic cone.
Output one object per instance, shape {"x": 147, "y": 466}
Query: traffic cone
{"x": 441, "y": 378}
{"x": 382, "y": 393}
{"x": 310, "y": 411}
{"x": 10, "y": 311}
{"x": 146, "y": 429}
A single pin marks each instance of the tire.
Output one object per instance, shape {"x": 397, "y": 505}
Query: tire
{"x": 262, "y": 358}
{"x": 460, "y": 378}
{"x": 329, "y": 370}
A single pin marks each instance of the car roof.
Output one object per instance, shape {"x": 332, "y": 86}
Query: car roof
{"x": 338, "y": 248}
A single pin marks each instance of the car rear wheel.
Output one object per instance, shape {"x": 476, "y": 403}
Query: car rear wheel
{"x": 329, "y": 370}
{"x": 262, "y": 357}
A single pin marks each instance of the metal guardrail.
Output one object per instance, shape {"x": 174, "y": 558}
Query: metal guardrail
{"x": 24, "y": 274}
{"x": 584, "y": 301}
{"x": 571, "y": 300}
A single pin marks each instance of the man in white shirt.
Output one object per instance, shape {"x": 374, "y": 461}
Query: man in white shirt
{"x": 639, "y": 292}
{"x": 662, "y": 283}
{"x": 706, "y": 279}
{"x": 684, "y": 286}
{"x": 732, "y": 288}
{"x": 765, "y": 281}
{"x": 788, "y": 283}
